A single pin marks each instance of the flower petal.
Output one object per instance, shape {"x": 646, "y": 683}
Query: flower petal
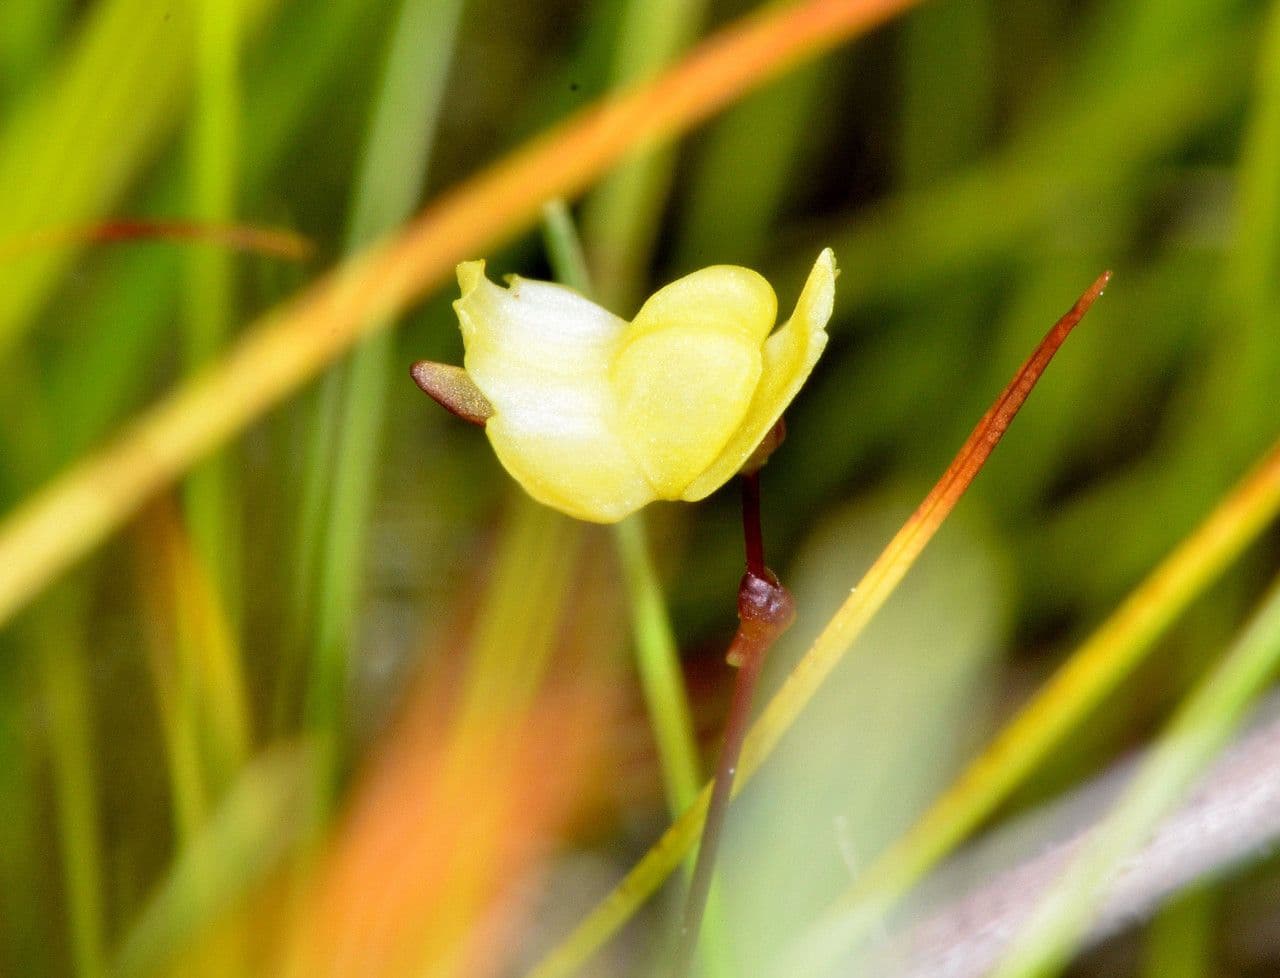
{"x": 540, "y": 353}
{"x": 789, "y": 356}
{"x": 687, "y": 369}
{"x": 722, "y": 298}
{"x": 681, "y": 394}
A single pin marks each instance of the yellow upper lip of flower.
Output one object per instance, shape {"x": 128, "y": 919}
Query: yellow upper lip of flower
{"x": 596, "y": 416}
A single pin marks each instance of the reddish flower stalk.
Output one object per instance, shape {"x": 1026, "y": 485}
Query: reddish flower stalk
{"x": 765, "y": 611}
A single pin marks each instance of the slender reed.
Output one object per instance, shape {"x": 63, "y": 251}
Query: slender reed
{"x": 765, "y": 610}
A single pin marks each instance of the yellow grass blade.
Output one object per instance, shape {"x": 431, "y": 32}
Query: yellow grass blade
{"x": 1095, "y": 669}
{"x": 68, "y": 518}
{"x": 188, "y": 612}
{"x": 464, "y": 798}
{"x": 824, "y": 655}
{"x": 1197, "y": 733}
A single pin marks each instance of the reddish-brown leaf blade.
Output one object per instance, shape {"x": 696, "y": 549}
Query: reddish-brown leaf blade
{"x": 276, "y": 242}
{"x": 826, "y": 652}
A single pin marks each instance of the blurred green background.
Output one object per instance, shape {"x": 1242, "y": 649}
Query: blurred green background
{"x": 232, "y": 661}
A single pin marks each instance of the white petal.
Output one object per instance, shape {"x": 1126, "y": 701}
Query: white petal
{"x": 540, "y": 353}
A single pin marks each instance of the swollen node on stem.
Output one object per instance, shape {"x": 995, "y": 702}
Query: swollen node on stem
{"x": 765, "y": 610}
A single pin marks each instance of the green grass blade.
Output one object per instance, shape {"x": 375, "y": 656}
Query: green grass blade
{"x": 1200, "y": 728}
{"x": 1094, "y": 143}
{"x": 1095, "y": 669}
{"x": 1181, "y": 940}
{"x": 53, "y": 638}
{"x": 659, "y": 666}
{"x": 564, "y": 247}
{"x": 214, "y": 164}
{"x": 657, "y": 658}
{"x": 70, "y": 150}
{"x": 657, "y": 655}
{"x": 387, "y": 190}
{"x": 247, "y": 836}
{"x": 948, "y": 89}
{"x": 28, "y": 36}
{"x": 732, "y": 208}
{"x": 68, "y": 698}
{"x": 621, "y": 217}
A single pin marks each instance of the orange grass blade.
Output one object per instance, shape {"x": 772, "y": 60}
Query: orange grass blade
{"x": 1092, "y": 671}
{"x": 826, "y": 652}
{"x": 429, "y": 872}
{"x": 69, "y": 517}
{"x": 460, "y": 805}
{"x": 276, "y": 242}
{"x": 182, "y": 596}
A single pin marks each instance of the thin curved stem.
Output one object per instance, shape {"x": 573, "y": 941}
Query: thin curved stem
{"x": 736, "y": 726}
{"x": 765, "y": 611}
{"x": 751, "y": 530}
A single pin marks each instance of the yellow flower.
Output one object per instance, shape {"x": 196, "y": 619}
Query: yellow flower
{"x": 596, "y": 416}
